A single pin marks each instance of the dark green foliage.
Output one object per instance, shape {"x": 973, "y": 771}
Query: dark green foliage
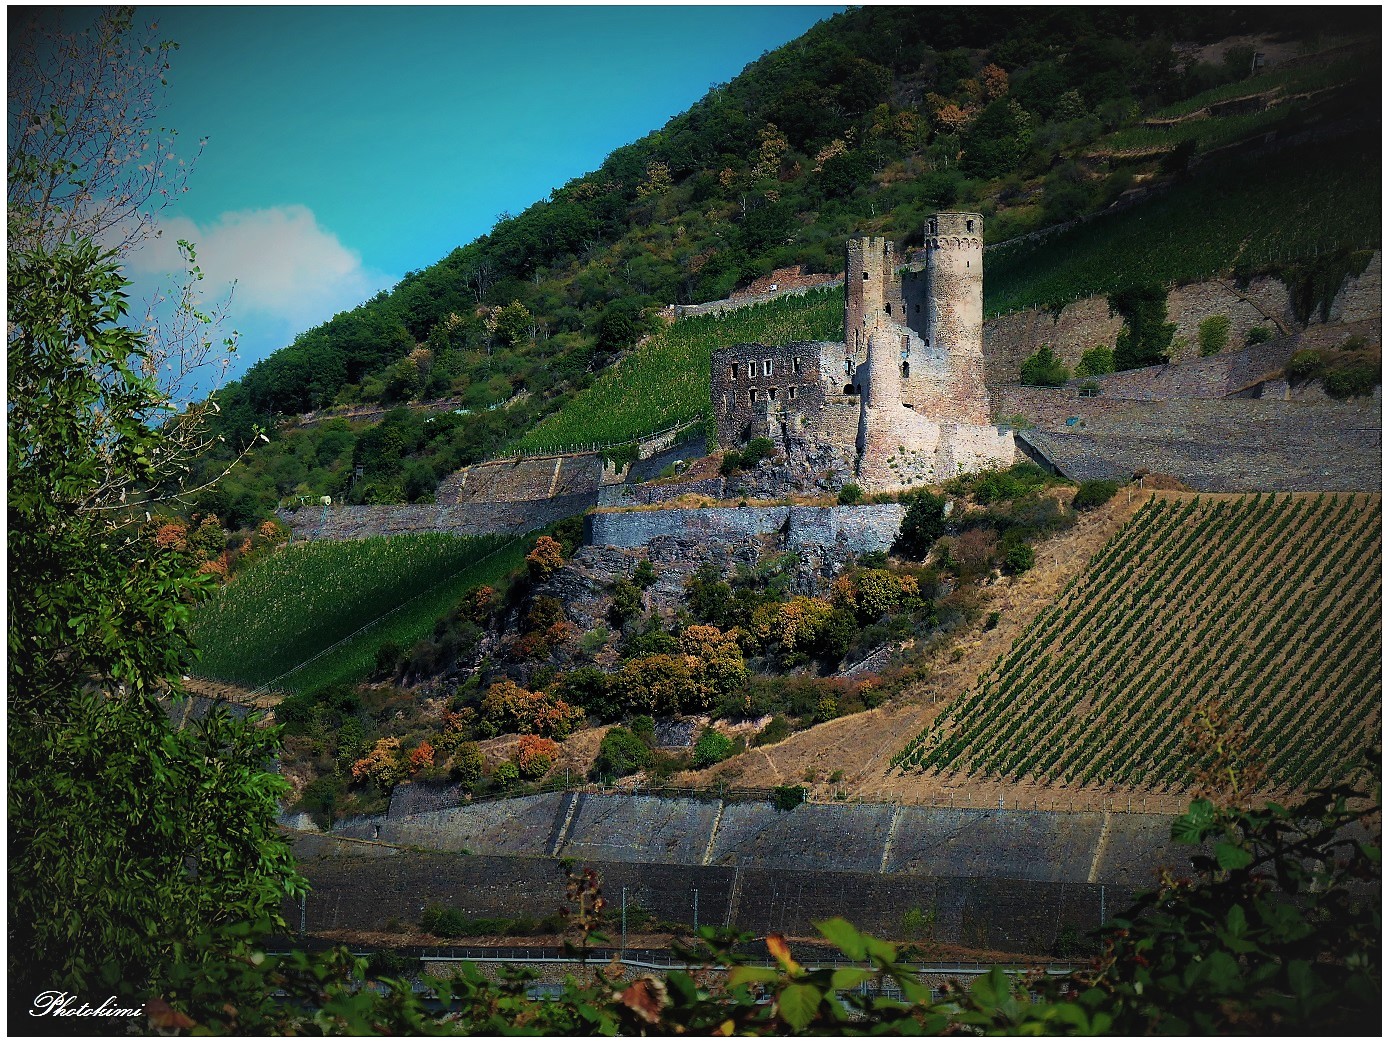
{"x": 1257, "y": 335}
{"x": 923, "y": 523}
{"x": 788, "y": 797}
{"x": 109, "y": 804}
{"x": 452, "y": 922}
{"x": 1315, "y": 283}
{"x": 643, "y": 577}
{"x": 996, "y": 486}
{"x": 1044, "y": 369}
{"x": 1146, "y": 335}
{"x": 1353, "y": 378}
{"x": 1017, "y": 558}
{"x": 626, "y": 603}
{"x": 996, "y": 141}
{"x": 621, "y": 753}
{"x": 1097, "y": 361}
{"x": 387, "y": 656}
{"x": 1213, "y": 334}
{"x": 777, "y": 729}
{"x": 757, "y": 450}
{"x": 850, "y": 494}
{"x": 712, "y": 747}
{"x": 1305, "y": 365}
{"x": 1093, "y": 494}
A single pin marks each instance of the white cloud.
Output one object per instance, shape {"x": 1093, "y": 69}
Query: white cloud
{"x": 285, "y": 265}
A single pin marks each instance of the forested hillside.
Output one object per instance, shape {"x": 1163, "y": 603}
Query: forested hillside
{"x": 867, "y": 123}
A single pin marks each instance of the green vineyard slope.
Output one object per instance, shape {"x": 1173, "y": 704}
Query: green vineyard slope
{"x": 1268, "y": 605}
{"x": 665, "y": 380}
{"x": 285, "y": 610}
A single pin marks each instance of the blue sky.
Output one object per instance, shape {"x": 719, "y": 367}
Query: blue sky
{"x": 347, "y": 146}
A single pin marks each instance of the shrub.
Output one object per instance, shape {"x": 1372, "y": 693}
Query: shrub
{"x": 443, "y": 922}
{"x": 505, "y": 773}
{"x": 1213, "y": 335}
{"x": 731, "y": 463}
{"x": 626, "y": 603}
{"x": 1355, "y": 378}
{"x": 468, "y": 763}
{"x": 757, "y": 450}
{"x": 1018, "y": 558}
{"x": 387, "y": 656}
{"x": 545, "y": 559}
{"x": 1094, "y": 494}
{"x": 850, "y": 494}
{"x": 1097, "y": 361}
{"x": 1044, "y": 369}
{"x": 1257, "y": 335}
{"x": 788, "y": 797}
{"x": 923, "y": 523}
{"x": 643, "y": 577}
{"x": 712, "y": 747}
{"x": 777, "y": 729}
{"x": 621, "y": 753}
{"x": 535, "y": 756}
{"x": 1304, "y": 365}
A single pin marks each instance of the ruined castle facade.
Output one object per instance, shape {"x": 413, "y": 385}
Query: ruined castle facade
{"x": 902, "y": 396}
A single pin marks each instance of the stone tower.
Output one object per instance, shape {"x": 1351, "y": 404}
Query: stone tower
{"x": 954, "y": 309}
{"x": 871, "y": 292}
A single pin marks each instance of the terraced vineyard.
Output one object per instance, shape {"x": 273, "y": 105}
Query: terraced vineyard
{"x": 268, "y": 624}
{"x": 1269, "y": 605}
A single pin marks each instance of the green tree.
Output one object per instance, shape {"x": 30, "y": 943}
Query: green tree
{"x": 1044, "y": 369}
{"x": 109, "y": 805}
{"x": 1146, "y": 335}
{"x": 620, "y": 753}
{"x": 923, "y": 523}
{"x": 712, "y": 747}
{"x": 1097, "y": 361}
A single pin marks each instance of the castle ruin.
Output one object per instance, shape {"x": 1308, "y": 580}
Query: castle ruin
{"x": 902, "y": 399}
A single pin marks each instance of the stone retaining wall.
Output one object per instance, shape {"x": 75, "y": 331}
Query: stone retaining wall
{"x": 1054, "y": 846}
{"x": 1224, "y": 445}
{"x": 360, "y": 522}
{"x": 1009, "y": 339}
{"x": 856, "y": 530}
{"x": 1008, "y": 880}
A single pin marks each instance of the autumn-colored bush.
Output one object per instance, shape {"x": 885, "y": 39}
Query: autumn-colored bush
{"x": 545, "y": 559}
{"x": 509, "y": 707}
{"x": 421, "y": 757}
{"x": 535, "y": 755}
{"x": 381, "y": 765}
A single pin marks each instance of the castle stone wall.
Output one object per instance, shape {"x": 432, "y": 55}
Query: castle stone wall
{"x": 751, "y": 382}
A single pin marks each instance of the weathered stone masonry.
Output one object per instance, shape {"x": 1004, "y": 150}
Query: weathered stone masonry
{"x": 903, "y": 395}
